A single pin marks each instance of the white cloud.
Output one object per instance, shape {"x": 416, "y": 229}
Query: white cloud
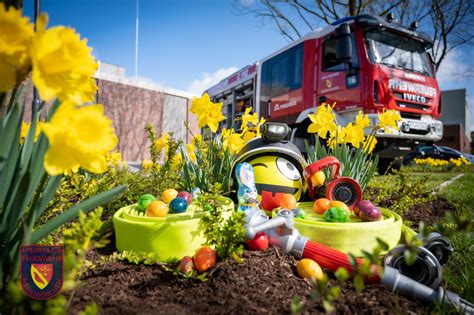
{"x": 209, "y": 79}
{"x": 452, "y": 69}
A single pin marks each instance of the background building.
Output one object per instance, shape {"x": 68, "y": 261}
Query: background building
{"x": 131, "y": 103}
{"x": 456, "y": 118}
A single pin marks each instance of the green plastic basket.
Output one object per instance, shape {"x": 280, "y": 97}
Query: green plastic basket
{"x": 170, "y": 237}
{"x": 351, "y": 237}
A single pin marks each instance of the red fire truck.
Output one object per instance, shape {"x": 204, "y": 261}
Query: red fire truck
{"x": 361, "y": 63}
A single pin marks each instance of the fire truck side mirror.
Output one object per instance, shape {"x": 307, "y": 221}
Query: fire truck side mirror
{"x": 343, "y": 44}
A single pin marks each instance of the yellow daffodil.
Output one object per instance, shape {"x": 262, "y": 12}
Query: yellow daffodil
{"x": 191, "y": 153}
{"x": 354, "y": 135}
{"x": 249, "y": 120}
{"x": 249, "y": 135}
{"x": 200, "y": 105}
{"x": 176, "y": 162}
{"x": 369, "y": 144}
{"x": 62, "y": 64}
{"x": 323, "y": 121}
{"x": 114, "y": 158}
{"x": 16, "y": 34}
{"x": 362, "y": 120}
{"x": 197, "y": 139}
{"x": 209, "y": 113}
{"x": 260, "y": 123}
{"x": 147, "y": 165}
{"x": 337, "y": 136}
{"x": 457, "y": 162}
{"x": 388, "y": 120}
{"x": 72, "y": 172}
{"x": 78, "y": 137}
{"x": 225, "y": 133}
{"x": 25, "y": 128}
{"x": 162, "y": 143}
{"x": 212, "y": 117}
{"x": 234, "y": 143}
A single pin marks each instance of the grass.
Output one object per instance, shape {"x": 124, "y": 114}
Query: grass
{"x": 434, "y": 179}
{"x": 459, "y": 273}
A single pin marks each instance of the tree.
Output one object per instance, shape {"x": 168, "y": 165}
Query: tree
{"x": 449, "y": 23}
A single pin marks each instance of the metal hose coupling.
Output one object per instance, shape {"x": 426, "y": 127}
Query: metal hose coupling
{"x": 395, "y": 281}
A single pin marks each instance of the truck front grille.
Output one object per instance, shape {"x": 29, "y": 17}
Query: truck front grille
{"x": 422, "y": 107}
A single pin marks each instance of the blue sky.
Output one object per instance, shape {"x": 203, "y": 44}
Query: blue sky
{"x": 189, "y": 44}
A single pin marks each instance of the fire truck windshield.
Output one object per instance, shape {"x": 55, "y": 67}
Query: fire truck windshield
{"x": 396, "y": 51}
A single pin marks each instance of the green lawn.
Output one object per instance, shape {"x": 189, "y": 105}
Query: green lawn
{"x": 459, "y": 274}
{"x": 434, "y": 179}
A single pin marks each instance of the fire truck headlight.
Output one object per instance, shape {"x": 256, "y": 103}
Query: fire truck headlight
{"x": 438, "y": 128}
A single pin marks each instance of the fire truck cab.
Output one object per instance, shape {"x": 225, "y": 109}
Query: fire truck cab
{"x": 359, "y": 63}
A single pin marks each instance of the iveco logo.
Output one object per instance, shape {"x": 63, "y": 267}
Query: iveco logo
{"x": 414, "y": 98}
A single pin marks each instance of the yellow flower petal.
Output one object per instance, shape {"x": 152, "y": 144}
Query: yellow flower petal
{"x": 16, "y": 34}
{"x": 62, "y": 65}
{"x": 78, "y": 136}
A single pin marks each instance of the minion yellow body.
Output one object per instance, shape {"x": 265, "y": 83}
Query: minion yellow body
{"x": 275, "y": 176}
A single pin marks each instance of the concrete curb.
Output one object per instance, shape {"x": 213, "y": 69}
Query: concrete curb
{"x": 438, "y": 188}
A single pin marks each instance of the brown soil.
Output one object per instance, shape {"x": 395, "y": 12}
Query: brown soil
{"x": 429, "y": 212}
{"x": 266, "y": 282}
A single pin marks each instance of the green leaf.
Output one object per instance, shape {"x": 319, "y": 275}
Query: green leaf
{"x": 334, "y": 292}
{"x": 328, "y": 307}
{"x": 296, "y": 305}
{"x": 410, "y": 256}
{"x": 342, "y": 274}
{"x": 358, "y": 283}
{"x": 382, "y": 244}
{"x": 48, "y": 193}
{"x": 68, "y": 215}
{"x": 352, "y": 260}
{"x": 27, "y": 148}
{"x": 10, "y": 127}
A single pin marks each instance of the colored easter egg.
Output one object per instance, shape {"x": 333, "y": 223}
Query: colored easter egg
{"x": 204, "y": 258}
{"x": 321, "y": 205}
{"x": 186, "y": 196}
{"x": 339, "y": 204}
{"x": 318, "y": 178}
{"x": 168, "y": 195}
{"x": 186, "y": 265}
{"x": 299, "y": 213}
{"x": 157, "y": 208}
{"x": 288, "y": 201}
{"x": 178, "y": 205}
{"x": 144, "y": 201}
{"x": 335, "y": 214}
{"x": 309, "y": 269}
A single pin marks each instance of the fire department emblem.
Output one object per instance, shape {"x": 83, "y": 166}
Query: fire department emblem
{"x": 41, "y": 274}
{"x": 328, "y": 83}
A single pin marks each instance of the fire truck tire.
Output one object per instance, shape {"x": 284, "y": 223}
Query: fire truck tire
{"x": 387, "y": 165}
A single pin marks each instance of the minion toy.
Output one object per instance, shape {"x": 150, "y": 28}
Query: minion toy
{"x": 278, "y": 165}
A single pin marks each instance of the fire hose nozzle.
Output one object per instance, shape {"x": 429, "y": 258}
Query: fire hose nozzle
{"x": 395, "y": 281}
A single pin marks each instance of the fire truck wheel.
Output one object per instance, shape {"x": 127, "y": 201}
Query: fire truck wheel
{"x": 387, "y": 165}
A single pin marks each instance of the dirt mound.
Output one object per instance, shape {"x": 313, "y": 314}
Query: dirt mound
{"x": 265, "y": 282}
{"x": 429, "y": 212}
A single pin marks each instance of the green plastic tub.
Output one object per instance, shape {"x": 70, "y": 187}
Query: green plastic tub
{"x": 170, "y": 237}
{"x": 351, "y": 237}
